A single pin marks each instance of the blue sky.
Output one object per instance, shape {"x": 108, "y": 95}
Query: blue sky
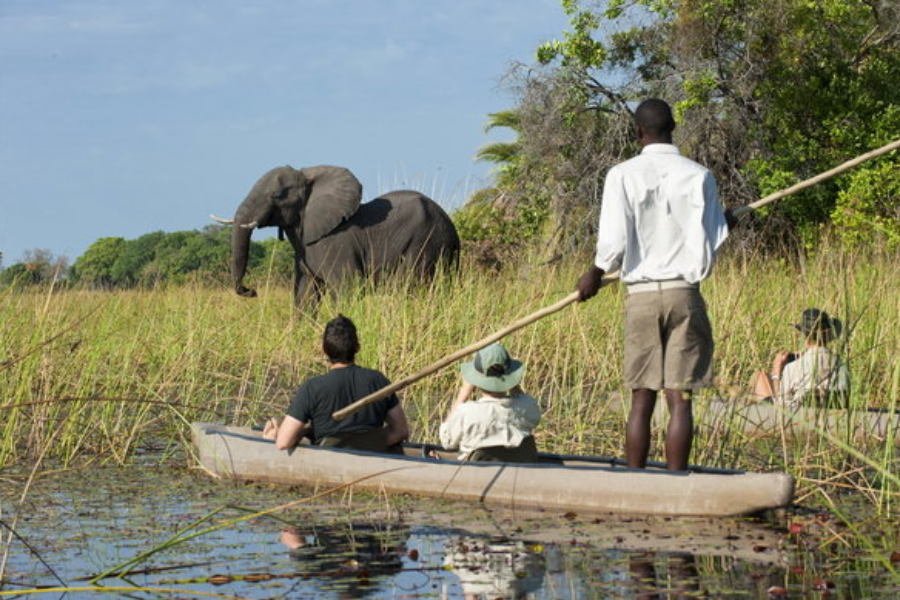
{"x": 122, "y": 117}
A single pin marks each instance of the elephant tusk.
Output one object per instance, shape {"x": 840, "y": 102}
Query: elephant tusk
{"x": 251, "y": 225}
{"x": 221, "y": 220}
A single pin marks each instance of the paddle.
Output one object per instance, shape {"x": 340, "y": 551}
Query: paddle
{"x": 573, "y": 297}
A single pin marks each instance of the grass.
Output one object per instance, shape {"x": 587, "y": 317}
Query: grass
{"x": 92, "y": 376}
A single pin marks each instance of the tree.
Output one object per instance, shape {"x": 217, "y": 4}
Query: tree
{"x": 37, "y": 266}
{"x": 507, "y": 155}
{"x": 497, "y": 221}
{"x": 155, "y": 257}
{"x": 128, "y": 269}
{"x": 272, "y": 251}
{"x": 19, "y": 274}
{"x": 765, "y": 95}
{"x": 95, "y": 266}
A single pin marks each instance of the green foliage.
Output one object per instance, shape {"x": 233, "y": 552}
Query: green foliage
{"x": 129, "y": 266}
{"x": 578, "y": 48}
{"x": 506, "y": 155}
{"x": 871, "y": 204}
{"x": 275, "y": 254}
{"x": 827, "y": 94}
{"x": 499, "y": 220}
{"x": 492, "y": 232}
{"x": 765, "y": 96}
{"x": 172, "y": 257}
{"x": 154, "y": 258}
{"x": 19, "y": 274}
{"x": 38, "y": 266}
{"x": 502, "y": 153}
{"x": 480, "y": 220}
{"x": 184, "y": 252}
{"x": 94, "y": 267}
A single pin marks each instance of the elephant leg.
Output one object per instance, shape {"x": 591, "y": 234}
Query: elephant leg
{"x": 301, "y": 282}
{"x": 305, "y": 280}
{"x": 307, "y": 287}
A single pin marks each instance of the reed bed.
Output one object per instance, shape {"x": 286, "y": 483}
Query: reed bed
{"x": 97, "y": 376}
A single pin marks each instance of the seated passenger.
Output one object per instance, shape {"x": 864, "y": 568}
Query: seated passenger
{"x": 378, "y": 427}
{"x": 815, "y": 376}
{"x": 498, "y": 425}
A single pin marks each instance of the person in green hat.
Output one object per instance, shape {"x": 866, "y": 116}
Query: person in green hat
{"x": 499, "y": 424}
{"x": 816, "y": 375}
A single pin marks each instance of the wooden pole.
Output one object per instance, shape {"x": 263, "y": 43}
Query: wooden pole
{"x": 451, "y": 358}
{"x": 817, "y": 179}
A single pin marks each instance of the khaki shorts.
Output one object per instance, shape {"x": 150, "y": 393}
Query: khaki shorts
{"x": 668, "y": 340}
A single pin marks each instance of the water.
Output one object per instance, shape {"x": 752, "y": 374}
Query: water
{"x": 82, "y": 523}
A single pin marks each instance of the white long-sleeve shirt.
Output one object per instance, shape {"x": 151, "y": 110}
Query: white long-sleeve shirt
{"x": 661, "y": 218}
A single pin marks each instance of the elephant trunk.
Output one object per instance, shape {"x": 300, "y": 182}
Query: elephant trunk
{"x": 240, "y": 253}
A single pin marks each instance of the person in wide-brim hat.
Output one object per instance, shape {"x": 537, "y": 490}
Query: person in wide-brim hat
{"x": 492, "y": 418}
{"x": 493, "y": 370}
{"x": 817, "y": 323}
{"x": 816, "y": 375}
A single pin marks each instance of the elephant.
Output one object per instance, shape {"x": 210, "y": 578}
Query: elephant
{"x": 333, "y": 235}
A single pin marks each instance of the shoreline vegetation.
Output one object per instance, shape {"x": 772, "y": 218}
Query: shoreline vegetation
{"x": 96, "y": 376}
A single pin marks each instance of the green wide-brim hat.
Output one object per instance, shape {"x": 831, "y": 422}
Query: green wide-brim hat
{"x": 493, "y": 370}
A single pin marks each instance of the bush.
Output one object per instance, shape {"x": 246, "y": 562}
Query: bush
{"x": 871, "y": 204}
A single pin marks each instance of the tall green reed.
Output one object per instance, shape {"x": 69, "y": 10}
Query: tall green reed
{"x": 106, "y": 371}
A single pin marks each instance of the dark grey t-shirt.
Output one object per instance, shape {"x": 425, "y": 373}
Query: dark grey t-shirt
{"x": 319, "y": 397}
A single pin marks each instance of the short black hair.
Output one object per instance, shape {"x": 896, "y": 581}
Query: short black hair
{"x": 654, "y": 116}
{"x": 340, "y": 340}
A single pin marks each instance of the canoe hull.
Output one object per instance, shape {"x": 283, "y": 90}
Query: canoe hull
{"x": 767, "y": 419}
{"x": 762, "y": 420}
{"x": 241, "y": 453}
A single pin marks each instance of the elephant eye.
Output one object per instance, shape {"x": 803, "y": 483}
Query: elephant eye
{"x": 280, "y": 194}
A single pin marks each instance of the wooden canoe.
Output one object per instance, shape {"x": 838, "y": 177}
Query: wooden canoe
{"x": 758, "y": 419}
{"x": 762, "y": 419}
{"x": 558, "y": 483}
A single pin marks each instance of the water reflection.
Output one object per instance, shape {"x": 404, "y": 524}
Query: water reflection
{"x": 676, "y": 580}
{"x": 348, "y": 559}
{"x": 82, "y": 525}
{"x": 496, "y": 568}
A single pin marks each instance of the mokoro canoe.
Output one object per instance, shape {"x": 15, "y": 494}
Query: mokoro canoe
{"x": 756, "y": 419}
{"x": 761, "y": 419}
{"x": 558, "y": 483}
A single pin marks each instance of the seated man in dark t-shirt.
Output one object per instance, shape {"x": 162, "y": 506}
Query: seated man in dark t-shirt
{"x": 377, "y": 427}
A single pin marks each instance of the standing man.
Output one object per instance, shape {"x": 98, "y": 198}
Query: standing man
{"x": 661, "y": 224}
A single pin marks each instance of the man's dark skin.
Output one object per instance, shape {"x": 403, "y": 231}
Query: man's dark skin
{"x": 680, "y": 431}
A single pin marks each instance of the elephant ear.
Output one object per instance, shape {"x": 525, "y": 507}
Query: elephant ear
{"x": 334, "y": 197}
